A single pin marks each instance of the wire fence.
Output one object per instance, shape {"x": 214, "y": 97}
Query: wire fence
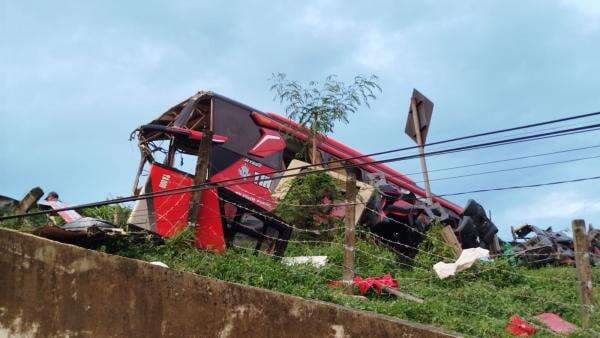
{"x": 474, "y": 293}
{"x": 412, "y": 275}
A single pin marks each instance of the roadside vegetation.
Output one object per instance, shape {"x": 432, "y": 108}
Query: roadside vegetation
{"x": 476, "y": 302}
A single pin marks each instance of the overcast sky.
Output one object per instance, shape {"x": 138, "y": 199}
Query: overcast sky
{"x": 78, "y": 77}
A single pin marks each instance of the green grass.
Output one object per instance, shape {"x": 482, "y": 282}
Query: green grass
{"x": 477, "y": 302}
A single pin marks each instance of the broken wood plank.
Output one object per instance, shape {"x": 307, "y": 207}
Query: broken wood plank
{"x": 450, "y": 238}
{"x": 29, "y": 200}
{"x": 399, "y": 294}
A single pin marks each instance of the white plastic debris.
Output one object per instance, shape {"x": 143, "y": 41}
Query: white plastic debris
{"x": 466, "y": 259}
{"x": 316, "y": 261}
{"x": 160, "y": 264}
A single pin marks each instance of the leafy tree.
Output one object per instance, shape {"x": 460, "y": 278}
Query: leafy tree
{"x": 318, "y": 108}
{"x": 305, "y": 190}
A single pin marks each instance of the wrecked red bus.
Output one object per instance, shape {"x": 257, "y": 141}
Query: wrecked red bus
{"x": 248, "y": 143}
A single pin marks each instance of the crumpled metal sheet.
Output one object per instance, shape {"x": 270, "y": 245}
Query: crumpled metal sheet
{"x": 85, "y": 223}
{"x": 535, "y": 246}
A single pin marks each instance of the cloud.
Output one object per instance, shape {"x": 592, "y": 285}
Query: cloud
{"x": 370, "y": 46}
{"x": 377, "y": 51}
{"x": 589, "y": 9}
{"x": 315, "y": 19}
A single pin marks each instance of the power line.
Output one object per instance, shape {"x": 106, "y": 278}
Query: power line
{"x": 564, "y": 132}
{"x": 512, "y": 169}
{"x": 558, "y": 133}
{"x": 526, "y": 126}
{"x": 540, "y": 130}
{"x": 258, "y": 178}
{"x": 522, "y": 186}
{"x": 499, "y": 131}
{"x": 505, "y": 160}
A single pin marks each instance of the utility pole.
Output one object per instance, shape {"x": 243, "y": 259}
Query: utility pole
{"x": 584, "y": 270}
{"x": 417, "y": 126}
{"x": 349, "y": 233}
{"x": 201, "y": 176}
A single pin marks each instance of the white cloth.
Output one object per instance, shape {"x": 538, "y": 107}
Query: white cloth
{"x": 466, "y": 259}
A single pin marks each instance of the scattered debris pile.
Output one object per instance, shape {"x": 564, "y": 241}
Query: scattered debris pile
{"x": 65, "y": 225}
{"x": 519, "y": 327}
{"x": 537, "y": 247}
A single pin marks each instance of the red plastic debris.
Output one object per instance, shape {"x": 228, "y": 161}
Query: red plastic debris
{"x": 519, "y": 327}
{"x": 555, "y": 323}
{"x": 378, "y": 282}
{"x": 364, "y": 284}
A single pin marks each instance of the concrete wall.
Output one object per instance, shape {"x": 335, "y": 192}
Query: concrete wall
{"x": 52, "y": 289}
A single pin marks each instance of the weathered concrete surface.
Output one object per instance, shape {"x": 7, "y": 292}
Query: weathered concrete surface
{"x": 52, "y": 289}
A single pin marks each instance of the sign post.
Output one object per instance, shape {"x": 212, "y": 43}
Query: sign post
{"x": 417, "y": 126}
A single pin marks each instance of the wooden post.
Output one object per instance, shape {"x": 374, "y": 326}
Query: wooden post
{"x": 202, "y": 166}
{"x": 495, "y": 247}
{"x": 29, "y": 200}
{"x": 315, "y": 155}
{"x": 314, "y": 150}
{"x": 584, "y": 271}
{"x": 349, "y": 233}
{"x": 170, "y": 158}
{"x": 450, "y": 238}
{"x": 116, "y": 215}
{"x": 417, "y": 124}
